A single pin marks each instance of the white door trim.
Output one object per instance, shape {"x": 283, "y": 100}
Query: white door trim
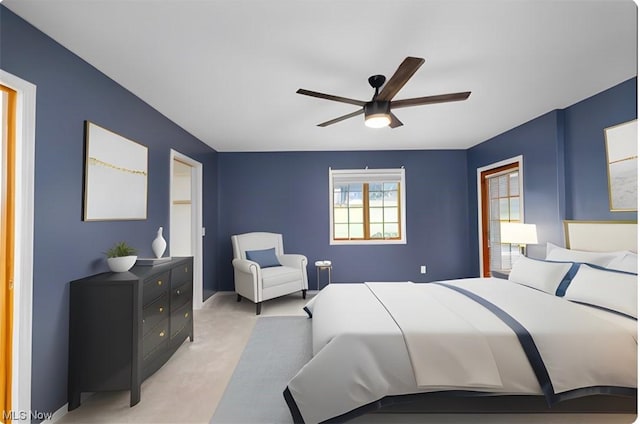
{"x": 23, "y": 265}
{"x": 196, "y": 222}
{"x": 519, "y": 160}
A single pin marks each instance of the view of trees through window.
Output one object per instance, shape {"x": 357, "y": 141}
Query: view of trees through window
{"x": 366, "y": 211}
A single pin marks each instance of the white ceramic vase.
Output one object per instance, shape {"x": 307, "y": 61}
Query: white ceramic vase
{"x": 159, "y": 244}
{"x": 121, "y": 263}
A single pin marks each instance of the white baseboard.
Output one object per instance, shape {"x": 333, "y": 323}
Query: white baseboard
{"x": 57, "y": 416}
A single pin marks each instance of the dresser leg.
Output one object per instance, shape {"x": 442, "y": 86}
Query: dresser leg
{"x": 258, "y": 308}
{"x": 74, "y": 400}
{"x": 135, "y": 396}
{"x": 304, "y": 294}
{"x": 239, "y": 298}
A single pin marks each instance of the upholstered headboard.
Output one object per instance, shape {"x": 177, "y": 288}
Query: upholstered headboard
{"x": 601, "y": 236}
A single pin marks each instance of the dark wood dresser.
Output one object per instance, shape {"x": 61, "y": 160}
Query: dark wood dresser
{"x": 124, "y": 326}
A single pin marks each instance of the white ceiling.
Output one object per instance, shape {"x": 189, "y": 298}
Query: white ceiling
{"x": 227, "y": 71}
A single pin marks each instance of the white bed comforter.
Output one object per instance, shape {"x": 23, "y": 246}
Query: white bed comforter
{"x": 380, "y": 339}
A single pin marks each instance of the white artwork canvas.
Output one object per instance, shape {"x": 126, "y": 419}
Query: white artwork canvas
{"x": 622, "y": 165}
{"x": 115, "y": 176}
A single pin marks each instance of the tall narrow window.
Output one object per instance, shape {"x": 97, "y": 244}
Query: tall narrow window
{"x": 501, "y": 201}
{"x": 367, "y": 206}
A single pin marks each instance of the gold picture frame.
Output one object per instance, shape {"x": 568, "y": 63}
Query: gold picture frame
{"x": 115, "y": 180}
{"x": 621, "y": 142}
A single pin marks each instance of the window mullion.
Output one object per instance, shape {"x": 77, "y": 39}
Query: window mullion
{"x": 365, "y": 210}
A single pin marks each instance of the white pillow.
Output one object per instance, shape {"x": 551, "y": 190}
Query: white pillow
{"x": 617, "y": 291}
{"x": 557, "y": 253}
{"x": 541, "y": 275}
{"x": 627, "y": 262}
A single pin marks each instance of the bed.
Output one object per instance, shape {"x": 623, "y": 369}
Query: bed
{"x": 560, "y": 329}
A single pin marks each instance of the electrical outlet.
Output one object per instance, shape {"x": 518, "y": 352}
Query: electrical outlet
{"x": 423, "y": 269}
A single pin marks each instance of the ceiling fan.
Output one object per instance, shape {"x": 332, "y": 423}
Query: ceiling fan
{"x": 377, "y": 112}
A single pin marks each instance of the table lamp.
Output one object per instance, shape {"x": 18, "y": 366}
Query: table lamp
{"x": 518, "y": 233}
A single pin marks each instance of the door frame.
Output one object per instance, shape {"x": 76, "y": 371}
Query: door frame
{"x": 23, "y": 259}
{"x": 197, "y": 231}
{"x": 516, "y": 159}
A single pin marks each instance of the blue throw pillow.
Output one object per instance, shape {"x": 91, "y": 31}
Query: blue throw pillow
{"x": 265, "y": 258}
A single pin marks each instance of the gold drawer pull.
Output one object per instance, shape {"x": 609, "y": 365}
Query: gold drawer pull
{"x": 162, "y": 334}
{"x": 159, "y": 282}
{"x": 161, "y": 309}
{"x": 178, "y": 292}
{"x": 186, "y": 269}
{"x": 186, "y": 314}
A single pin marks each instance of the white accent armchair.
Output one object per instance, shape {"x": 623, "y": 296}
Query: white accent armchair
{"x": 279, "y": 275}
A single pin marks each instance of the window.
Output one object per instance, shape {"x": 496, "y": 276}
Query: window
{"x": 367, "y": 206}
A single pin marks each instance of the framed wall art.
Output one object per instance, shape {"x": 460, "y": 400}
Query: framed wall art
{"x": 115, "y": 180}
{"x": 622, "y": 165}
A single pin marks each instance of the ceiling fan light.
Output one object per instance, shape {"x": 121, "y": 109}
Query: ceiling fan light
{"x": 378, "y": 120}
{"x": 377, "y": 114}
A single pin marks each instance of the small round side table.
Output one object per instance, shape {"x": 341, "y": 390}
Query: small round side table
{"x": 320, "y": 268}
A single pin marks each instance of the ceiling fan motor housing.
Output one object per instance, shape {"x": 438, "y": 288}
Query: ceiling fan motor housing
{"x": 377, "y": 108}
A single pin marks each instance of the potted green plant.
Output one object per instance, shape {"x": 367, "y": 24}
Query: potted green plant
{"x": 121, "y": 257}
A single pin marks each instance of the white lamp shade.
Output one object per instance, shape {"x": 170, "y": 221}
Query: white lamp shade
{"x": 518, "y": 233}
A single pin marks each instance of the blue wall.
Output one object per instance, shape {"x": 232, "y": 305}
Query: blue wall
{"x": 288, "y": 193}
{"x": 564, "y": 169}
{"x": 70, "y": 91}
{"x": 586, "y": 167}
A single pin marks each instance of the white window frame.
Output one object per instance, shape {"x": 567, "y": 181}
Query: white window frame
{"x": 367, "y": 176}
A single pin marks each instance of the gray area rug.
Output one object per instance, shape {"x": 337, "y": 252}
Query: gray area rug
{"x": 275, "y": 352}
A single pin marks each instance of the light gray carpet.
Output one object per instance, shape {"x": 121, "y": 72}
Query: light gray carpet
{"x": 275, "y": 352}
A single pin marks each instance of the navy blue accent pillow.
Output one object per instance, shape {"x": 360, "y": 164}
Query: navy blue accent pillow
{"x": 265, "y": 258}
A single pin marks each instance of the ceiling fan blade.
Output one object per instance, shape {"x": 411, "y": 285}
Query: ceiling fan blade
{"x": 407, "y": 68}
{"x": 342, "y": 118}
{"x": 441, "y": 98}
{"x": 395, "y": 122}
{"x": 330, "y": 97}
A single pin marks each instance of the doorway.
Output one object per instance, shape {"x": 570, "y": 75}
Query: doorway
{"x": 185, "y": 216}
{"x": 17, "y": 238}
{"x": 500, "y": 199}
{"x": 7, "y": 236}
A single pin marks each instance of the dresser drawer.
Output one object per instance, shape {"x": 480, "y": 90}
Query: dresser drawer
{"x": 181, "y": 295}
{"x": 154, "y": 287}
{"x": 181, "y": 274}
{"x": 155, "y": 312}
{"x": 157, "y": 337}
{"x": 180, "y": 318}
